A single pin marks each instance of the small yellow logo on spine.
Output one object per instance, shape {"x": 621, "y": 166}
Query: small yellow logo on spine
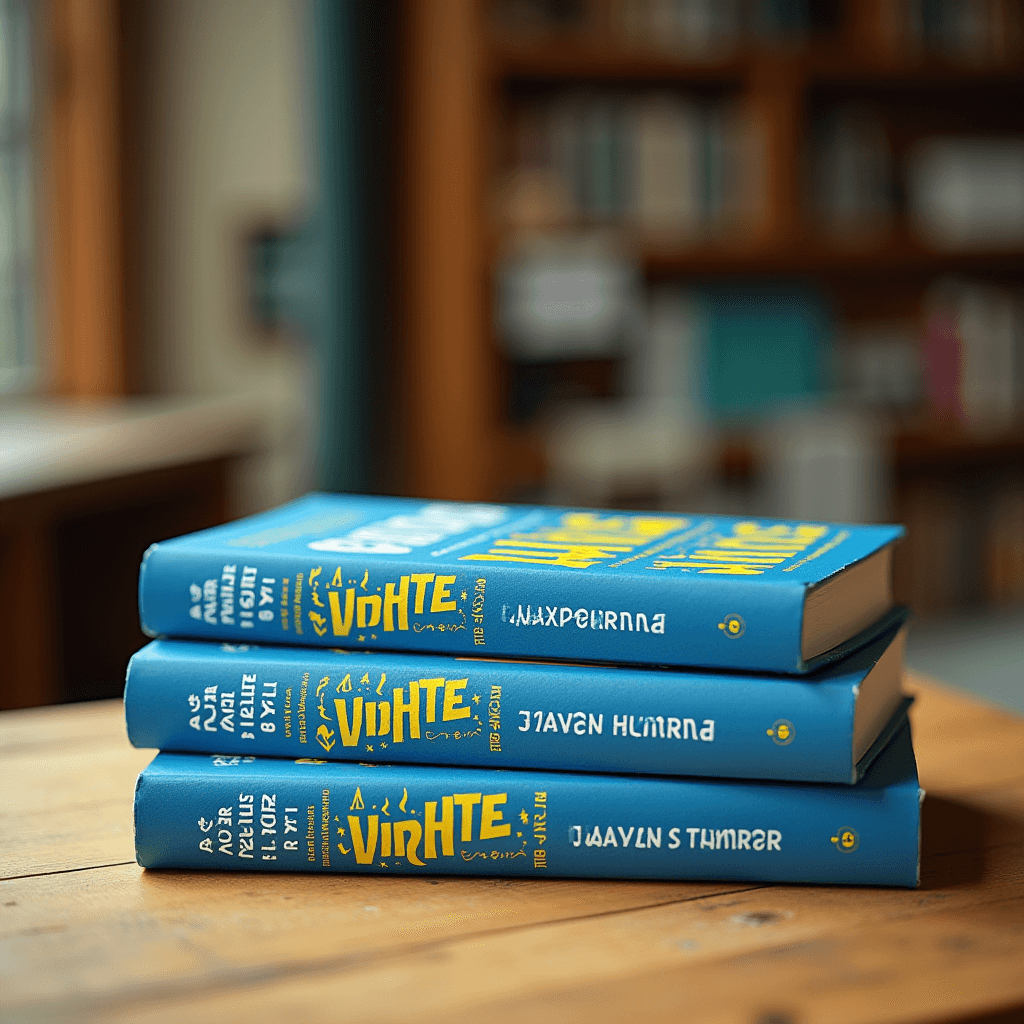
{"x": 782, "y": 732}
{"x": 846, "y": 839}
{"x": 733, "y": 626}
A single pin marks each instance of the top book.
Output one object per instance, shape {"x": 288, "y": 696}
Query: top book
{"x": 339, "y": 570}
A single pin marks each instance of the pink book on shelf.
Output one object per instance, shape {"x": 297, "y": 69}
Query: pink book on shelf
{"x": 941, "y": 365}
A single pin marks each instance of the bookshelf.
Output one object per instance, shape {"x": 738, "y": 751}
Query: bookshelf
{"x": 475, "y": 66}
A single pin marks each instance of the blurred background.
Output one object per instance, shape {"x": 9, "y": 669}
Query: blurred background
{"x": 762, "y": 257}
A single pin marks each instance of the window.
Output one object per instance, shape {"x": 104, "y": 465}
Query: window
{"x": 17, "y": 305}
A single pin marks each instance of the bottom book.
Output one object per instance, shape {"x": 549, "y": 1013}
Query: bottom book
{"x": 247, "y": 813}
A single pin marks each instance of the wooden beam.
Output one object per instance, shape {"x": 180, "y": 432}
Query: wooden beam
{"x": 87, "y": 353}
{"x": 774, "y": 104}
{"x": 449, "y": 371}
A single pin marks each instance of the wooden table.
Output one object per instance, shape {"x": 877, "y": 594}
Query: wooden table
{"x": 89, "y": 936}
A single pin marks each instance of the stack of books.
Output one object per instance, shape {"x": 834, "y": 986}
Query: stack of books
{"x": 385, "y": 685}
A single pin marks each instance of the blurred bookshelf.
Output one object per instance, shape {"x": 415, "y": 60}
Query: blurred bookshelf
{"x": 856, "y": 167}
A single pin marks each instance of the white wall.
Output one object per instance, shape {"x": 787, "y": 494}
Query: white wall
{"x": 227, "y": 149}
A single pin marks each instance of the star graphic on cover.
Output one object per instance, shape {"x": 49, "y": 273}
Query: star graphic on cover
{"x": 476, "y": 698}
{"x": 383, "y": 746}
{"x": 373, "y": 636}
{"x": 362, "y": 639}
{"x": 369, "y": 747}
{"x": 523, "y": 816}
{"x": 341, "y": 832}
{"x": 463, "y": 596}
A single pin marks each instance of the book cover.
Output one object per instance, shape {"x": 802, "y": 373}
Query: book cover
{"x": 248, "y": 813}
{"x": 436, "y": 709}
{"x": 512, "y": 581}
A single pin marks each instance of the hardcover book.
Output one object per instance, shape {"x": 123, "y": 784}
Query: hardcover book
{"x": 517, "y": 581}
{"x": 248, "y": 813}
{"x": 437, "y": 709}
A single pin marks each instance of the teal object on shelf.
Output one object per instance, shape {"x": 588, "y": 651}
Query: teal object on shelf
{"x": 765, "y": 347}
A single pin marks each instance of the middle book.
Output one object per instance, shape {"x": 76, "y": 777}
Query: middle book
{"x": 433, "y": 709}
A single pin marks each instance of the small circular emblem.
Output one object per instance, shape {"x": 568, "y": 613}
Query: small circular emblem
{"x": 846, "y": 839}
{"x": 782, "y": 732}
{"x": 732, "y": 626}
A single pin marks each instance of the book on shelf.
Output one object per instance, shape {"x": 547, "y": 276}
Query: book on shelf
{"x": 436, "y": 709}
{"x": 530, "y": 582}
{"x": 973, "y": 353}
{"x": 249, "y": 813}
{"x": 668, "y": 171}
{"x": 674, "y": 170}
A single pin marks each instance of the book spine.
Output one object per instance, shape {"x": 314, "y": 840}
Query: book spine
{"x": 433, "y": 710}
{"x": 467, "y": 607}
{"x": 249, "y": 814}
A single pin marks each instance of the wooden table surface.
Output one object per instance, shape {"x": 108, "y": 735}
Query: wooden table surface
{"x": 88, "y": 935}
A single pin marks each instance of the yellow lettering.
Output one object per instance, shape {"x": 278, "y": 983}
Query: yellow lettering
{"x": 466, "y": 802}
{"x": 407, "y": 847}
{"x": 368, "y": 611}
{"x": 364, "y": 850}
{"x": 721, "y": 569}
{"x": 431, "y": 686}
{"x": 340, "y": 626}
{"x": 753, "y": 543}
{"x": 349, "y": 731}
{"x": 573, "y": 556}
{"x": 490, "y": 816}
{"x": 441, "y": 591}
{"x": 410, "y": 708}
{"x": 399, "y": 601}
{"x": 421, "y": 579}
{"x": 453, "y": 707}
{"x": 754, "y": 557}
{"x": 581, "y": 539}
{"x": 446, "y": 826}
{"x": 325, "y": 737}
{"x": 643, "y": 527}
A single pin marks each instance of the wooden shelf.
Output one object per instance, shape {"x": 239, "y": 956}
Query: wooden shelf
{"x": 952, "y": 448}
{"x": 901, "y": 255}
{"x": 574, "y": 61}
{"x": 912, "y": 449}
{"x": 841, "y": 69}
{"x": 570, "y": 59}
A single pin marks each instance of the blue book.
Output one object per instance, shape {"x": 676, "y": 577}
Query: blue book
{"x": 248, "y": 813}
{"x": 338, "y": 570}
{"x": 437, "y": 709}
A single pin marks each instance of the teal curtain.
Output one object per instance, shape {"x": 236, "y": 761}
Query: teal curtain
{"x": 337, "y": 247}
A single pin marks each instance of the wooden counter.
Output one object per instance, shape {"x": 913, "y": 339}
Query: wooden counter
{"x": 85, "y": 488}
{"x": 87, "y": 935}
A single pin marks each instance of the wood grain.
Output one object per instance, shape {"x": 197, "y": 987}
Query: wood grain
{"x": 450, "y": 391}
{"x": 86, "y": 935}
{"x": 39, "y": 728}
{"x": 88, "y": 357}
